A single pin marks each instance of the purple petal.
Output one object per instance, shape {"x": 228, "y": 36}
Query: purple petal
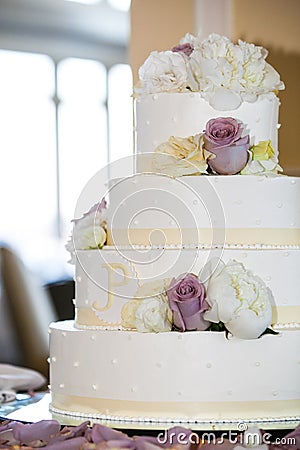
{"x": 101, "y": 433}
{"x": 186, "y": 48}
{"x": 230, "y": 160}
{"x": 196, "y": 322}
{"x": 176, "y": 436}
{"x": 146, "y": 443}
{"x": 222, "y": 131}
{"x": 70, "y": 444}
{"x": 42, "y": 430}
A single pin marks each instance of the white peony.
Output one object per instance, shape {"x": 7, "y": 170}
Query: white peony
{"x": 215, "y": 46}
{"x": 226, "y": 74}
{"x": 240, "y": 300}
{"x": 164, "y": 72}
{"x": 194, "y": 41}
{"x": 154, "y": 315}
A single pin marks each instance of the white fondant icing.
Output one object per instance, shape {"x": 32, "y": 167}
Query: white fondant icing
{"x": 223, "y": 203}
{"x": 197, "y": 360}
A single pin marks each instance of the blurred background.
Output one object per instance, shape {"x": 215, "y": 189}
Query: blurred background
{"x": 66, "y": 74}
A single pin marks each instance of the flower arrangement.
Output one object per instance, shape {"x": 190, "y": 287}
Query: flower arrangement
{"x": 231, "y": 299}
{"x": 89, "y": 231}
{"x": 223, "y": 147}
{"x": 223, "y": 72}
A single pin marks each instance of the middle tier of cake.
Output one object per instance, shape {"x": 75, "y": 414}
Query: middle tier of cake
{"x": 152, "y": 209}
{"x": 107, "y": 280}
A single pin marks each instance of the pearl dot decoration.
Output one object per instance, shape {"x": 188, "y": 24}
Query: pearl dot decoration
{"x": 76, "y": 364}
{"x": 94, "y": 387}
{"x": 61, "y": 385}
{"x": 114, "y": 361}
{"x": 209, "y": 365}
{"x": 257, "y": 364}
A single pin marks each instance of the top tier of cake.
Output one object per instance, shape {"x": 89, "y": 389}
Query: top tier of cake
{"x": 183, "y": 96}
{"x": 159, "y": 116}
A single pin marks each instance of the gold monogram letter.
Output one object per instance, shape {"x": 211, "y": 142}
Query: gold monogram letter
{"x": 111, "y": 269}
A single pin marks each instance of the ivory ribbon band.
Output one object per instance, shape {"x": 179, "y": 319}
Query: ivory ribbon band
{"x": 174, "y": 236}
{"x": 280, "y": 315}
{"x": 178, "y": 410}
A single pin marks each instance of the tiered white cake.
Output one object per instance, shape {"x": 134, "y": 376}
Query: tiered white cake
{"x": 175, "y": 315}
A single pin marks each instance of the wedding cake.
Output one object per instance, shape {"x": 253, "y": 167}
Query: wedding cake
{"x": 187, "y": 273}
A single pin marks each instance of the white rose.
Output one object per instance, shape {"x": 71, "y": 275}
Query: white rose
{"x": 90, "y": 237}
{"x": 164, "y": 72}
{"x": 88, "y": 230}
{"x": 153, "y": 315}
{"x": 240, "y": 300}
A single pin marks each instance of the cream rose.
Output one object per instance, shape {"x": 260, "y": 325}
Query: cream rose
{"x": 182, "y": 156}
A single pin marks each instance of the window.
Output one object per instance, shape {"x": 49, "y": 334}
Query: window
{"x": 61, "y": 122}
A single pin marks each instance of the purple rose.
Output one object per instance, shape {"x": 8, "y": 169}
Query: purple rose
{"x": 186, "y": 48}
{"x": 187, "y": 301}
{"x": 223, "y": 137}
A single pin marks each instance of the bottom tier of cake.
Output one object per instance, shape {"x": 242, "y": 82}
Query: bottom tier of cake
{"x": 186, "y": 377}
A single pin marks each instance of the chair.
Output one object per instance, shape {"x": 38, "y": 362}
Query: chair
{"x": 27, "y": 312}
